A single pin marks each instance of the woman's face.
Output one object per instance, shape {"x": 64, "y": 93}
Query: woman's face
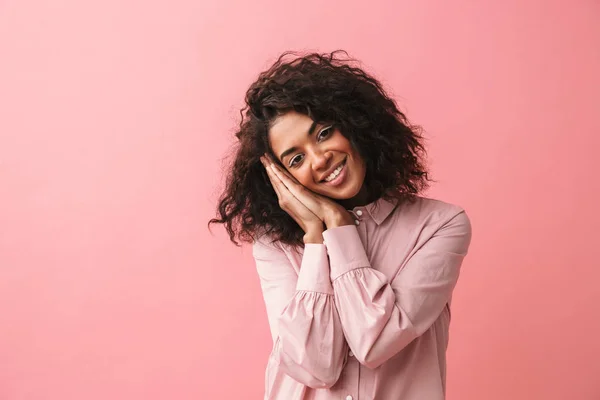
{"x": 318, "y": 156}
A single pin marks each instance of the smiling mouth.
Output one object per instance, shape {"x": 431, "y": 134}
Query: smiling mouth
{"x": 337, "y": 172}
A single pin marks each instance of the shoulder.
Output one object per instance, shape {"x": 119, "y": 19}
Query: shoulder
{"x": 265, "y": 247}
{"x": 432, "y": 214}
{"x": 275, "y": 260}
{"x": 264, "y": 243}
{"x": 426, "y": 207}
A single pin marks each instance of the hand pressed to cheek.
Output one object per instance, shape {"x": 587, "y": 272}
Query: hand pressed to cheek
{"x": 308, "y": 198}
{"x": 310, "y": 223}
{"x": 328, "y": 211}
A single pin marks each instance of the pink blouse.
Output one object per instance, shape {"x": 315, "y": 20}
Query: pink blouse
{"x": 365, "y": 315}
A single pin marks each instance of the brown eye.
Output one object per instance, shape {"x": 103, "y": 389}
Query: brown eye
{"x": 295, "y": 160}
{"x": 325, "y": 132}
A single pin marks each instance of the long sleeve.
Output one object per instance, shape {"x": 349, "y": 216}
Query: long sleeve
{"x": 381, "y": 316}
{"x": 308, "y": 339}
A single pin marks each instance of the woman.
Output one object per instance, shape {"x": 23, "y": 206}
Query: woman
{"x": 356, "y": 268}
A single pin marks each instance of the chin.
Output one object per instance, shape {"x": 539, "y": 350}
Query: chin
{"x": 343, "y": 194}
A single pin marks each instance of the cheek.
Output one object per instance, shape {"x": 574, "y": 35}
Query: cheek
{"x": 303, "y": 177}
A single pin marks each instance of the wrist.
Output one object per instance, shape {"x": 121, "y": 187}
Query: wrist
{"x": 313, "y": 233}
{"x": 338, "y": 218}
{"x": 313, "y": 237}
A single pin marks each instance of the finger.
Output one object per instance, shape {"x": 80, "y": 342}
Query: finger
{"x": 272, "y": 162}
{"x": 285, "y": 198}
{"x": 279, "y": 173}
{"x": 291, "y": 182}
{"x": 267, "y": 169}
{"x": 289, "y": 186}
{"x": 276, "y": 183}
{"x": 286, "y": 173}
{"x": 293, "y": 186}
{"x": 312, "y": 201}
{"x": 280, "y": 168}
{"x": 272, "y": 177}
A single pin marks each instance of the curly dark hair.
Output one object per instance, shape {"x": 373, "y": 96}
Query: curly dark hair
{"x": 328, "y": 88}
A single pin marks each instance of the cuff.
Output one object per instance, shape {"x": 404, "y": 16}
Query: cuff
{"x": 346, "y": 251}
{"x": 314, "y": 270}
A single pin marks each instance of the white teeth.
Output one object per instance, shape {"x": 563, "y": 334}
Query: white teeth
{"x": 335, "y": 173}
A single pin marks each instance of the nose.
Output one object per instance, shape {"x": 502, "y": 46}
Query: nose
{"x": 321, "y": 160}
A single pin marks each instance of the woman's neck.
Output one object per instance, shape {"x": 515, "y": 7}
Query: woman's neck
{"x": 361, "y": 199}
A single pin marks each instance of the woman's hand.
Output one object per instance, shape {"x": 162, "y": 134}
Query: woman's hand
{"x": 310, "y": 223}
{"x": 327, "y": 210}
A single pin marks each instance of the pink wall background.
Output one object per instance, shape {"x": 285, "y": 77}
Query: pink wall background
{"x": 113, "y": 119}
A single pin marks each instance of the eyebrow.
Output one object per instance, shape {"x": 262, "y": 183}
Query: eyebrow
{"x": 293, "y": 149}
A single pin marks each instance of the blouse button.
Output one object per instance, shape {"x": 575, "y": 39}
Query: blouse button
{"x": 350, "y": 353}
{"x": 357, "y": 222}
{"x": 358, "y": 212}
{"x": 348, "y": 397}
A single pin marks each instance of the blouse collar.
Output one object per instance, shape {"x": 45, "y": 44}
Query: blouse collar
{"x": 379, "y": 210}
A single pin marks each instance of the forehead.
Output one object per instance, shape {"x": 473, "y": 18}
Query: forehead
{"x": 289, "y": 129}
